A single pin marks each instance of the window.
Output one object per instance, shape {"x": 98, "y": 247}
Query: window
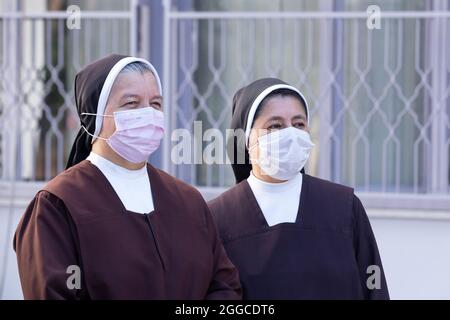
{"x": 380, "y": 98}
{"x": 39, "y": 59}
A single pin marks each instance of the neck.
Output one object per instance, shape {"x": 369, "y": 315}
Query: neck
{"x": 101, "y": 148}
{"x": 258, "y": 173}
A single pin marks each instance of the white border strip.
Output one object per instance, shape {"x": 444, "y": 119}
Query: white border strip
{"x": 231, "y": 14}
{"x": 65, "y": 15}
{"x": 304, "y": 14}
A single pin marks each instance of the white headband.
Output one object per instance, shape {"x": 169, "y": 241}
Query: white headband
{"x": 109, "y": 81}
{"x": 260, "y": 97}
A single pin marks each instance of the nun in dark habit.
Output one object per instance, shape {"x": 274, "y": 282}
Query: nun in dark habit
{"x": 130, "y": 230}
{"x": 291, "y": 235}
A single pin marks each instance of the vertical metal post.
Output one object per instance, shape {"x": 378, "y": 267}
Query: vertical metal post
{"x": 439, "y": 156}
{"x": 134, "y": 31}
{"x": 167, "y": 6}
{"x": 11, "y": 130}
{"x": 325, "y": 100}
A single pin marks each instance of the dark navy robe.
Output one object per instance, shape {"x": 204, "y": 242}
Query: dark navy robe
{"x": 326, "y": 254}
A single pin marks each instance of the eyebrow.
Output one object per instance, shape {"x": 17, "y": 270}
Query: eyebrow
{"x": 126, "y": 96}
{"x": 275, "y": 118}
{"x": 157, "y": 97}
{"x": 298, "y": 116}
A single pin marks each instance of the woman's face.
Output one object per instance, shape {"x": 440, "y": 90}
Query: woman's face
{"x": 131, "y": 90}
{"x": 278, "y": 112}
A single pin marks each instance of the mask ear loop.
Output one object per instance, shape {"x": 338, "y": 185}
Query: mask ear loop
{"x": 252, "y": 147}
{"x": 95, "y": 114}
{"x": 249, "y": 149}
{"x": 252, "y": 160}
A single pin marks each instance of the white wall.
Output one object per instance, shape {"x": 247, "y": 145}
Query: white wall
{"x": 416, "y": 257}
{"x": 9, "y": 277}
{"x": 415, "y": 254}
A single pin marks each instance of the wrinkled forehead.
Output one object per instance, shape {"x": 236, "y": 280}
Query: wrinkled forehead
{"x": 135, "y": 83}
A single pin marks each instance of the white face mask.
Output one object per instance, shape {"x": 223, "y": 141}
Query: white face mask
{"x": 283, "y": 153}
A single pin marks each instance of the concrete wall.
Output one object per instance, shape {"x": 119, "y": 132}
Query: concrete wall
{"x": 9, "y": 277}
{"x": 416, "y": 257}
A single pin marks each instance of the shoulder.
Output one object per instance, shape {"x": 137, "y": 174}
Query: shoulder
{"x": 46, "y": 196}
{"x": 71, "y": 180}
{"x": 327, "y": 192}
{"x": 229, "y": 200}
{"x": 76, "y": 189}
{"x": 227, "y": 209}
{"x": 44, "y": 202}
{"x": 360, "y": 217}
{"x": 44, "y": 211}
{"x": 331, "y": 203}
{"x": 327, "y": 186}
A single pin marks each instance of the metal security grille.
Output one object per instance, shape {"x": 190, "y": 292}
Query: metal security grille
{"x": 379, "y": 97}
{"x": 39, "y": 58}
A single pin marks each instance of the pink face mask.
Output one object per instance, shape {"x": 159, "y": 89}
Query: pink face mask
{"x": 138, "y": 133}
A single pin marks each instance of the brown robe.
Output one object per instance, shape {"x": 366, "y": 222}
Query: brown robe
{"x": 174, "y": 252}
{"x": 325, "y": 254}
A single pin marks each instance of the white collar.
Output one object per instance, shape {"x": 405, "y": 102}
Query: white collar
{"x": 107, "y": 166}
{"x": 274, "y": 187}
{"x": 279, "y": 202}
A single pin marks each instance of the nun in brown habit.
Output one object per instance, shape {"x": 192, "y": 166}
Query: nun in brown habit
{"x": 111, "y": 226}
{"x": 291, "y": 235}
